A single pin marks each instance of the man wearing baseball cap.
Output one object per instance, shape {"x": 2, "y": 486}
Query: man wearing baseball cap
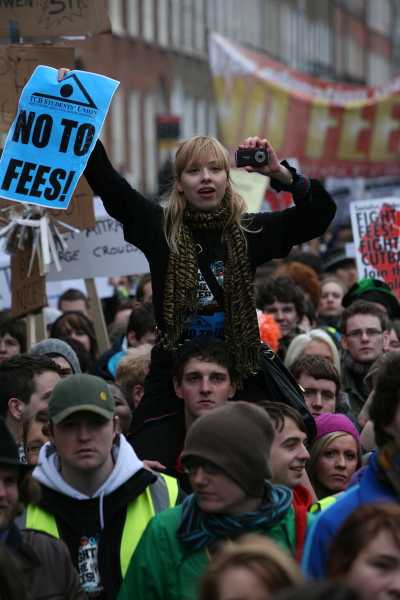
{"x": 96, "y": 494}
{"x": 43, "y": 563}
{"x": 226, "y": 456}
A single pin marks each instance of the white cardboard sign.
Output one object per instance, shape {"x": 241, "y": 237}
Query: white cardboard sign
{"x": 99, "y": 252}
{"x": 376, "y": 233}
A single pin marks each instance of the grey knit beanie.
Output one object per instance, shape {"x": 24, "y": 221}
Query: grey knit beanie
{"x": 55, "y": 346}
{"x": 237, "y": 438}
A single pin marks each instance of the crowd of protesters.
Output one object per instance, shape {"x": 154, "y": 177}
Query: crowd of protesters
{"x": 161, "y": 468}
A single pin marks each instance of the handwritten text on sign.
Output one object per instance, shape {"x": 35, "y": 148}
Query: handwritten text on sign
{"x": 99, "y": 252}
{"x": 54, "y": 18}
{"x": 52, "y": 136}
{"x": 376, "y": 229}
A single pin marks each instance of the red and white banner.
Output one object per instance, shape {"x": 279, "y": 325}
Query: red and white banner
{"x": 332, "y": 129}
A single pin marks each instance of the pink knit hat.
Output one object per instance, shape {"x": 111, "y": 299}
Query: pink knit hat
{"x": 335, "y": 422}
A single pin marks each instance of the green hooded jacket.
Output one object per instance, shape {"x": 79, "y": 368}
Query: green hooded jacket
{"x": 162, "y": 569}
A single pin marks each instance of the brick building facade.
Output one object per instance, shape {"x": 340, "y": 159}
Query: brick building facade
{"x": 158, "y": 51}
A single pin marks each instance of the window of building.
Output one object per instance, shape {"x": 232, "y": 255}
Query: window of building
{"x": 148, "y": 20}
{"x": 176, "y": 21}
{"x": 149, "y": 118}
{"x": 212, "y": 120}
{"x": 162, "y": 22}
{"x": 357, "y": 7}
{"x": 132, "y": 18}
{"x": 134, "y": 135}
{"x": 188, "y": 24}
{"x": 211, "y": 16}
{"x": 117, "y": 116}
{"x": 272, "y": 27}
{"x": 177, "y": 98}
{"x": 288, "y": 47}
{"x": 188, "y": 117}
{"x": 199, "y": 26}
{"x": 116, "y": 15}
{"x": 378, "y": 69}
{"x": 379, "y": 16}
{"x": 201, "y": 117}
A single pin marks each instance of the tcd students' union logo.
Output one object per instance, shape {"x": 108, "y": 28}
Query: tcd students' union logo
{"x": 73, "y": 97}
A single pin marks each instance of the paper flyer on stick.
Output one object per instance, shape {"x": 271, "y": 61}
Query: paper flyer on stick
{"x": 376, "y": 227}
{"x": 52, "y": 136}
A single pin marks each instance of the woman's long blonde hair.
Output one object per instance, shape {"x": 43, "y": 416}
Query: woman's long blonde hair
{"x": 198, "y": 150}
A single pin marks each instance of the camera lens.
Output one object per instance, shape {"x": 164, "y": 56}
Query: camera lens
{"x": 259, "y": 156}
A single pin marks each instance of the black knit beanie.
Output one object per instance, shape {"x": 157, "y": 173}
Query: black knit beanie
{"x": 237, "y": 438}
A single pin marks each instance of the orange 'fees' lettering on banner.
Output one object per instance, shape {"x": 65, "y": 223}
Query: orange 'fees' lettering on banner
{"x": 332, "y": 129}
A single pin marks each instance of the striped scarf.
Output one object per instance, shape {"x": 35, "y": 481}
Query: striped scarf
{"x": 199, "y": 529}
{"x": 180, "y": 296}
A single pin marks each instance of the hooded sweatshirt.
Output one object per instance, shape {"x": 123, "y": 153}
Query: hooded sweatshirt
{"x": 92, "y": 526}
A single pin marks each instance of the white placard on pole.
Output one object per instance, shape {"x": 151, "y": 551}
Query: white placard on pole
{"x": 376, "y": 233}
{"x": 99, "y": 252}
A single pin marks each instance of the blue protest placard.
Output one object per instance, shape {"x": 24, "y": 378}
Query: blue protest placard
{"x": 52, "y": 136}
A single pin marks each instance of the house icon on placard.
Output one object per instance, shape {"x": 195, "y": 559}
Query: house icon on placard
{"x": 71, "y": 91}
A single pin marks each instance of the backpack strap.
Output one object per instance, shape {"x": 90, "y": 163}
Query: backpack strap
{"x": 210, "y": 279}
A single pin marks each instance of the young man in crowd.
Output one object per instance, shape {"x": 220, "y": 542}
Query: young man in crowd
{"x": 226, "y": 456}
{"x": 284, "y": 300}
{"x": 26, "y": 383}
{"x": 203, "y": 380}
{"x": 289, "y": 456}
{"x": 379, "y": 482}
{"x": 363, "y": 332}
{"x": 140, "y": 330}
{"x": 12, "y": 338}
{"x": 320, "y": 382}
{"x": 43, "y": 563}
{"x": 95, "y": 493}
{"x": 289, "y": 453}
{"x": 75, "y": 300}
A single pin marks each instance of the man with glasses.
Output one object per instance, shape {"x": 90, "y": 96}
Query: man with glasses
{"x": 363, "y": 329}
{"x": 227, "y": 458}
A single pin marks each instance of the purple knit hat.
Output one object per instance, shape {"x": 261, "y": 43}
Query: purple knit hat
{"x": 335, "y": 422}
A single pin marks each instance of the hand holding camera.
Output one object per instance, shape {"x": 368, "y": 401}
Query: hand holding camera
{"x": 257, "y": 155}
{"x": 251, "y": 157}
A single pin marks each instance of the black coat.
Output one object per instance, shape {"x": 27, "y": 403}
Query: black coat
{"x": 45, "y": 565}
{"x": 272, "y": 234}
{"x": 269, "y": 235}
{"x": 160, "y": 439}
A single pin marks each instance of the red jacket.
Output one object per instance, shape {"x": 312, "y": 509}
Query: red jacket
{"x": 302, "y": 501}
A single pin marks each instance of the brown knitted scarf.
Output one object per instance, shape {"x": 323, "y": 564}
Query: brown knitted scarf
{"x": 180, "y": 298}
